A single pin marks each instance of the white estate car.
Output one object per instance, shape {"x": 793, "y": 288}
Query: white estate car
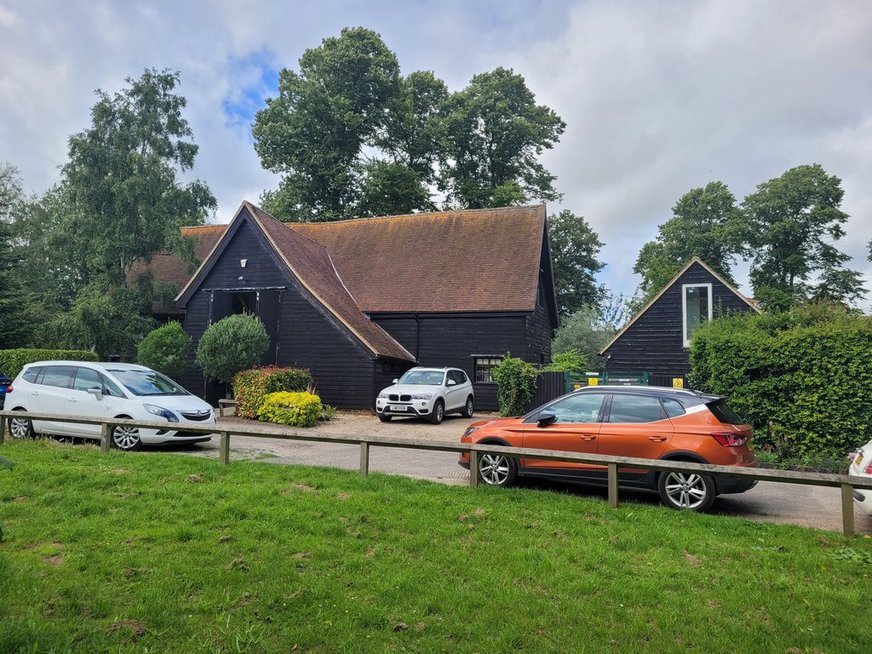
{"x": 105, "y": 390}
{"x": 861, "y": 466}
{"x": 427, "y": 392}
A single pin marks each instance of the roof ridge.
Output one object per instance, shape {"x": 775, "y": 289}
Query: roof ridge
{"x": 434, "y": 214}
{"x": 296, "y": 233}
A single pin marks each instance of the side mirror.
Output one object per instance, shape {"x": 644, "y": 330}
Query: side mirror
{"x": 395, "y": 381}
{"x": 451, "y": 382}
{"x": 97, "y": 392}
{"x": 546, "y": 418}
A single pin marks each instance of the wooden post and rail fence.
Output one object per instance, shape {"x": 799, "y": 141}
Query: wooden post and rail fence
{"x": 845, "y": 483}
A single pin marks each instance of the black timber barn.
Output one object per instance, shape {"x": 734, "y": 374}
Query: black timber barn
{"x": 358, "y": 302}
{"x": 657, "y": 339}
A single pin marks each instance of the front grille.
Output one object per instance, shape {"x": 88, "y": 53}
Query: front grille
{"x": 393, "y": 397}
{"x": 196, "y": 416}
{"x": 189, "y": 434}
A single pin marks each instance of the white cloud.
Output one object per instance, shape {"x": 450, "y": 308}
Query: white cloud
{"x": 657, "y": 97}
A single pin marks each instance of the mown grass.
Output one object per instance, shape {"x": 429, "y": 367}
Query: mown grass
{"x": 158, "y": 552}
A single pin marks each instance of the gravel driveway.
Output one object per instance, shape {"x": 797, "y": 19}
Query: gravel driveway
{"x": 809, "y": 506}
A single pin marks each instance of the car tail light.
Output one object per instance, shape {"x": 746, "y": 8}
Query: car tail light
{"x": 9, "y": 388}
{"x": 730, "y": 439}
{"x": 868, "y": 469}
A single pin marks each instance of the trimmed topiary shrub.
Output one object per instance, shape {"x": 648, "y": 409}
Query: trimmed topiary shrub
{"x": 12, "y": 361}
{"x": 165, "y": 349}
{"x": 803, "y": 378}
{"x": 295, "y": 409}
{"x": 251, "y": 386}
{"x": 516, "y": 380}
{"x": 235, "y": 343}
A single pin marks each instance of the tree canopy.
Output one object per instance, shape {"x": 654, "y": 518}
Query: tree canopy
{"x": 792, "y": 222}
{"x": 705, "y": 223}
{"x": 574, "y": 250}
{"x": 352, "y": 137}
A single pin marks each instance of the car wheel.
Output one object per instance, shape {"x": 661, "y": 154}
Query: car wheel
{"x": 21, "y": 428}
{"x": 438, "y": 412}
{"x": 686, "y": 491}
{"x": 497, "y": 470}
{"x": 384, "y": 418}
{"x": 469, "y": 409}
{"x": 126, "y": 438}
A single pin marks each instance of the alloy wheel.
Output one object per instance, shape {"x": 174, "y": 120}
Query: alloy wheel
{"x": 494, "y": 469}
{"x": 686, "y": 491}
{"x": 126, "y": 438}
{"x": 19, "y": 427}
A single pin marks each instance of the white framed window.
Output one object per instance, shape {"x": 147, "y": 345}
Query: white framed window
{"x": 484, "y": 364}
{"x": 696, "y": 308}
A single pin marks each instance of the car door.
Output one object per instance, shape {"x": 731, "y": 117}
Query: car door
{"x": 51, "y": 395}
{"x": 575, "y": 429}
{"x": 635, "y": 425}
{"x": 455, "y": 393}
{"x": 86, "y": 404}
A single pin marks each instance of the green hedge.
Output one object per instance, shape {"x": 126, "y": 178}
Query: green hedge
{"x": 803, "y": 379}
{"x": 12, "y": 361}
{"x": 516, "y": 385}
{"x": 251, "y": 386}
{"x": 295, "y": 409}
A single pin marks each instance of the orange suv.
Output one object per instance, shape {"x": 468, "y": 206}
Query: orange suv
{"x": 638, "y": 421}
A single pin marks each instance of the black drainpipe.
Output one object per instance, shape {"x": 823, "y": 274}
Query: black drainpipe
{"x": 418, "y": 336}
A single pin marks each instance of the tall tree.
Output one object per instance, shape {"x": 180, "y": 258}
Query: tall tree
{"x": 574, "y": 250}
{"x": 494, "y": 133}
{"x": 793, "y": 221}
{"x": 313, "y": 132}
{"x": 13, "y": 326}
{"x": 122, "y": 200}
{"x": 705, "y": 223}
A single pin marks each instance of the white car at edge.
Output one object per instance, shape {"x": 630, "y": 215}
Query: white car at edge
{"x": 861, "y": 466}
{"x": 105, "y": 390}
{"x": 427, "y": 393}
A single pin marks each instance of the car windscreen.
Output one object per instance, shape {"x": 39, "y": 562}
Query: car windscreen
{"x": 423, "y": 377}
{"x": 148, "y": 382}
{"x": 724, "y": 413}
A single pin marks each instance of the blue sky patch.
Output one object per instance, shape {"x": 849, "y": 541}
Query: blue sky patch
{"x": 254, "y": 78}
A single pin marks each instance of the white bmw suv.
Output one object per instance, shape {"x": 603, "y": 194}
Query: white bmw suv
{"x": 427, "y": 392}
{"x": 105, "y": 390}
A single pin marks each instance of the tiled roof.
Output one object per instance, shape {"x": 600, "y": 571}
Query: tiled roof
{"x": 311, "y": 264}
{"x": 451, "y": 261}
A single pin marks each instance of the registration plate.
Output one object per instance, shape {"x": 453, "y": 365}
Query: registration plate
{"x": 859, "y": 458}
{"x": 398, "y": 407}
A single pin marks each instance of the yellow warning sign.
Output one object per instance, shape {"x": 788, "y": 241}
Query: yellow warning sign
{"x": 678, "y": 382}
{"x": 593, "y": 381}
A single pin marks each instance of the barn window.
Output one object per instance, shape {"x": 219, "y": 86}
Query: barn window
{"x": 484, "y": 364}
{"x": 696, "y": 308}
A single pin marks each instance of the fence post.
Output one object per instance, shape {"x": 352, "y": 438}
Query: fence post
{"x": 364, "y": 458}
{"x": 473, "y": 468}
{"x": 225, "y": 447}
{"x": 105, "y": 437}
{"x": 847, "y": 510}
{"x": 613, "y": 485}
{"x": 2, "y": 430}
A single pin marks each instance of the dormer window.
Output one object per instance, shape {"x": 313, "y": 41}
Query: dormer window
{"x": 696, "y": 308}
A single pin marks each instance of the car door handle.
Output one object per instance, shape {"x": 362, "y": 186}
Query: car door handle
{"x": 657, "y": 439}
{"x": 588, "y": 437}
{"x": 71, "y": 399}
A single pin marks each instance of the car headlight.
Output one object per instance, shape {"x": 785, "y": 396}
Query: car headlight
{"x": 382, "y": 394}
{"x": 161, "y": 412}
{"x": 422, "y": 396}
{"x": 469, "y": 431}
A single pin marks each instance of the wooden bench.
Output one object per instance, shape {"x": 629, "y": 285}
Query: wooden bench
{"x": 225, "y": 403}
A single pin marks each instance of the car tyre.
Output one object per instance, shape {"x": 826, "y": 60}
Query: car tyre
{"x": 21, "y": 427}
{"x": 497, "y": 470}
{"x": 126, "y": 438}
{"x": 438, "y": 412}
{"x": 686, "y": 491}
{"x": 384, "y": 418}
{"x": 469, "y": 408}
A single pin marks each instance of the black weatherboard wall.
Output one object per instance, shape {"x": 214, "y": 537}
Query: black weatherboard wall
{"x": 653, "y": 340}
{"x": 304, "y": 334}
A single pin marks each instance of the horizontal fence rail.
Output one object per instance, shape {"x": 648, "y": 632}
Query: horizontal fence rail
{"x": 846, "y": 483}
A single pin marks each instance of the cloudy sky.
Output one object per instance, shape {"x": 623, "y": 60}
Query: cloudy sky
{"x": 659, "y": 97}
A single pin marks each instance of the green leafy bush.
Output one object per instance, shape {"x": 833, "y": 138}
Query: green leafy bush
{"x": 569, "y": 361}
{"x": 803, "y": 378}
{"x": 165, "y": 349}
{"x": 251, "y": 386}
{"x": 230, "y": 345}
{"x": 295, "y": 409}
{"x": 516, "y": 380}
{"x": 12, "y": 361}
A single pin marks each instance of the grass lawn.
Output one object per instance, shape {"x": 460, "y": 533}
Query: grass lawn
{"x": 154, "y": 552}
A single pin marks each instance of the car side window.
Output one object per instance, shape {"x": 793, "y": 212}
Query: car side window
{"x": 87, "y": 378}
{"x": 460, "y": 376}
{"x": 31, "y": 374}
{"x": 111, "y": 387}
{"x": 673, "y": 408}
{"x": 60, "y": 376}
{"x": 580, "y": 408}
{"x": 635, "y": 409}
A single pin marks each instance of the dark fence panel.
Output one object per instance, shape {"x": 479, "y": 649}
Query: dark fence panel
{"x": 551, "y": 385}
